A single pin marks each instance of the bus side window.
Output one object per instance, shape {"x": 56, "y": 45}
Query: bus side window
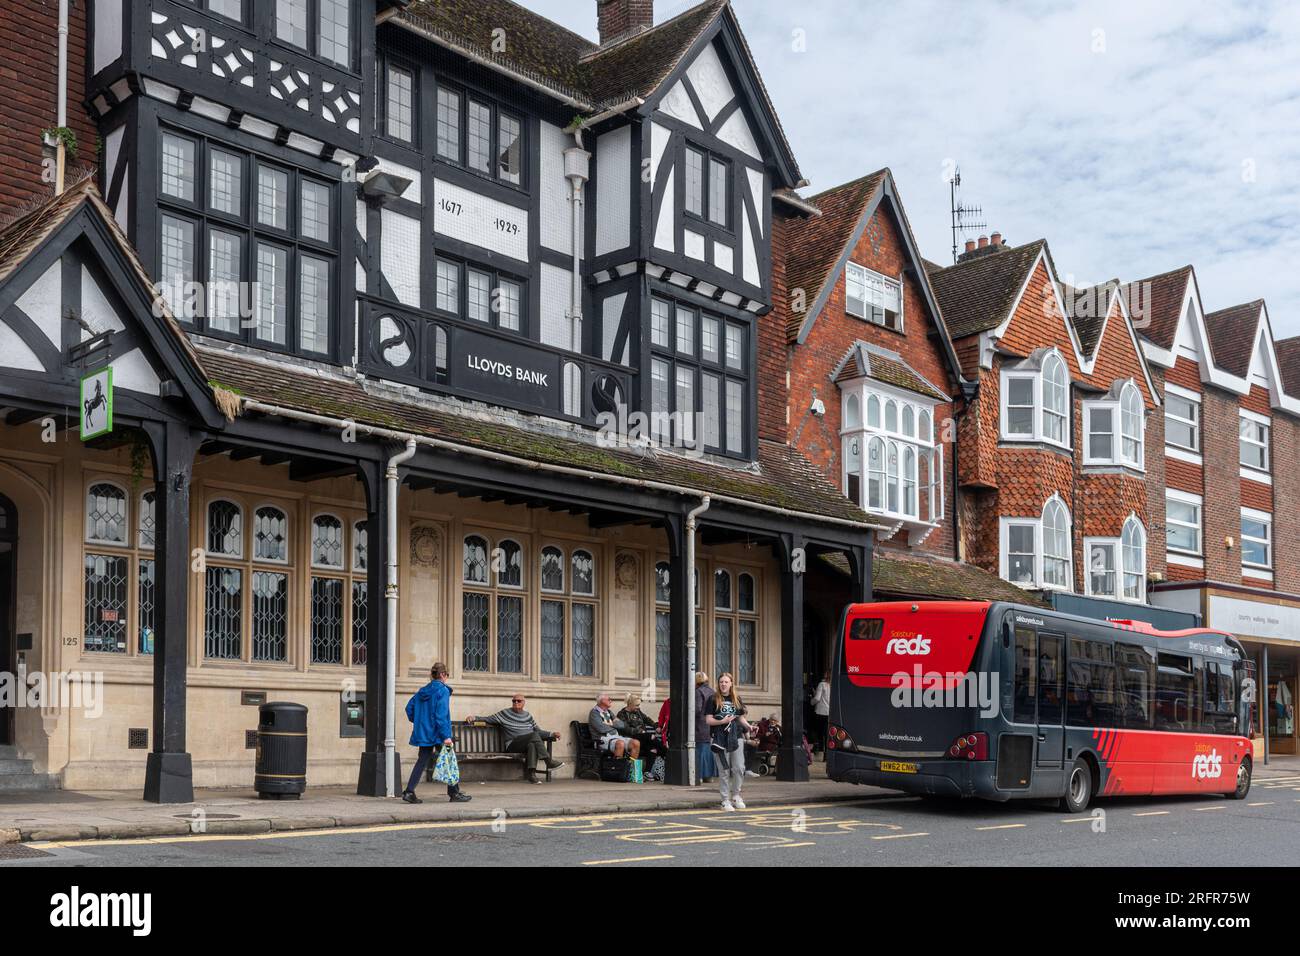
{"x": 1175, "y": 693}
{"x": 1135, "y": 666}
{"x": 1091, "y": 698}
{"x": 1026, "y": 684}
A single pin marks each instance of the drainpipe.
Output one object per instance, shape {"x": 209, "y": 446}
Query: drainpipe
{"x": 577, "y": 164}
{"x": 390, "y": 598}
{"x": 60, "y": 150}
{"x": 691, "y": 515}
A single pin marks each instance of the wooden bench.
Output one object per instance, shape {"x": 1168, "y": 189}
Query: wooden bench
{"x": 591, "y": 759}
{"x": 481, "y": 742}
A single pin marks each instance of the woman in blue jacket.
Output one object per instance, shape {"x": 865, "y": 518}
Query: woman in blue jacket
{"x": 429, "y": 711}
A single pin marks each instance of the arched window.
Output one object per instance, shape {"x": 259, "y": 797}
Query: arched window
{"x": 873, "y": 411}
{"x": 909, "y": 421}
{"x": 552, "y": 569}
{"x": 225, "y": 529}
{"x": 475, "y": 560}
{"x": 1134, "y": 547}
{"x": 145, "y": 521}
{"x": 853, "y": 467}
{"x": 270, "y": 535}
{"x": 852, "y": 412}
{"x": 875, "y": 474}
{"x": 746, "y": 593}
{"x": 891, "y": 464}
{"x": 1131, "y": 423}
{"x": 891, "y": 416}
{"x": 923, "y": 426}
{"x": 509, "y": 564}
{"x": 909, "y": 480}
{"x": 663, "y": 621}
{"x": 722, "y": 589}
{"x": 106, "y": 514}
{"x": 1056, "y": 544}
{"x": 584, "y": 572}
{"x": 663, "y": 589}
{"x": 360, "y": 545}
{"x": 327, "y": 542}
{"x": 1055, "y": 399}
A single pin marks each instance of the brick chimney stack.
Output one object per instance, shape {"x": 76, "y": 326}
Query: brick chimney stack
{"x": 970, "y": 245}
{"x": 985, "y": 246}
{"x": 995, "y": 239}
{"x": 619, "y": 19}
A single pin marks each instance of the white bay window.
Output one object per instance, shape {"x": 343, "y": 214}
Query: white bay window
{"x": 1117, "y": 566}
{"x": 892, "y": 464}
{"x": 1113, "y": 428}
{"x": 1036, "y": 400}
{"x": 1036, "y": 552}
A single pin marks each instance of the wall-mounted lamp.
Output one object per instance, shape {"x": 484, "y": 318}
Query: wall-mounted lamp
{"x": 380, "y": 186}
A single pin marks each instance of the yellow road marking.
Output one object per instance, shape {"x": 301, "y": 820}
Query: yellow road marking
{"x": 897, "y": 836}
{"x": 1004, "y": 826}
{"x": 1153, "y": 813}
{"x": 628, "y": 859}
{"x": 573, "y": 823}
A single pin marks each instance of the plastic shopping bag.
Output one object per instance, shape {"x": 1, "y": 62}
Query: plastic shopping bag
{"x": 447, "y": 769}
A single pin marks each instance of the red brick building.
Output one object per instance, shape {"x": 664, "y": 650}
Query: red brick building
{"x": 872, "y": 385}
{"x": 1052, "y": 467}
{"x": 1229, "y": 454}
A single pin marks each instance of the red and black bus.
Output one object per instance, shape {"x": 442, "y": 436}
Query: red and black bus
{"x": 1002, "y": 701}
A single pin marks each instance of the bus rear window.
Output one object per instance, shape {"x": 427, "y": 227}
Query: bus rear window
{"x": 866, "y": 629}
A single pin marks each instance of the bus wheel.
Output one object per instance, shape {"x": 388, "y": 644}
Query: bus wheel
{"x": 1243, "y": 781}
{"x": 1078, "y": 788}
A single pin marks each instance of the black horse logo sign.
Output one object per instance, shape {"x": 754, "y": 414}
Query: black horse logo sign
{"x": 97, "y": 401}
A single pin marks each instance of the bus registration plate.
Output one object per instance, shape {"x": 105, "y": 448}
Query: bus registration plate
{"x": 897, "y": 766}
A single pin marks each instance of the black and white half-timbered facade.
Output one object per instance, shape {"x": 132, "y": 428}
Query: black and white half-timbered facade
{"x": 430, "y": 319}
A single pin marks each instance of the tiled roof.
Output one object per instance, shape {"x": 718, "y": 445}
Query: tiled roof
{"x": 901, "y": 574}
{"x": 813, "y": 244}
{"x": 863, "y": 359}
{"x": 1088, "y": 309}
{"x": 1156, "y": 304}
{"x": 1232, "y": 335}
{"x": 1288, "y": 360}
{"x": 545, "y": 52}
{"x": 783, "y": 479}
{"x": 976, "y": 295}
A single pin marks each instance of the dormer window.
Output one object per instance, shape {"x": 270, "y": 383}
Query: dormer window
{"x": 1114, "y": 429}
{"x": 1036, "y": 401}
{"x": 871, "y": 296}
{"x": 1253, "y": 446}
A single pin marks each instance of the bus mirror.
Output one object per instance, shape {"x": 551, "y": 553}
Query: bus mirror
{"x": 1248, "y": 690}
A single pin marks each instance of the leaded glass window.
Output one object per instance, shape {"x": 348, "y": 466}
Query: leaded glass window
{"x": 326, "y": 621}
{"x": 106, "y": 514}
{"x": 327, "y": 542}
{"x": 225, "y": 529}
{"x": 223, "y": 592}
{"x": 106, "y": 578}
{"x": 270, "y": 616}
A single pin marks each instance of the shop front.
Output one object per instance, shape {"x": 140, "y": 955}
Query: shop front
{"x": 1268, "y": 624}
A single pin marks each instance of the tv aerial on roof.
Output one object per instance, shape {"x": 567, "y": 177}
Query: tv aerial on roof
{"x": 964, "y": 218}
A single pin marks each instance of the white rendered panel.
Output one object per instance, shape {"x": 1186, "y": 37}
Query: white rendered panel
{"x": 665, "y": 237}
{"x": 556, "y": 286}
{"x": 677, "y": 104}
{"x": 479, "y": 220}
{"x": 43, "y": 303}
{"x": 134, "y": 373}
{"x": 557, "y": 223}
{"x": 613, "y": 190}
{"x": 14, "y": 352}
{"x": 96, "y": 310}
{"x": 735, "y": 132}
{"x": 399, "y": 256}
{"x": 709, "y": 78}
{"x": 611, "y": 311}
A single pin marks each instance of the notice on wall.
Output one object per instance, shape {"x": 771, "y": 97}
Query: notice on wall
{"x": 1254, "y": 618}
{"x": 463, "y": 214}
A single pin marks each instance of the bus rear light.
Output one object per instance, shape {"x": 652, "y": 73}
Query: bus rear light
{"x": 971, "y": 747}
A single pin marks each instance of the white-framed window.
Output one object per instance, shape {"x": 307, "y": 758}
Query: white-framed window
{"x": 1102, "y": 576}
{"x": 1183, "y": 522}
{"x": 1036, "y": 552}
{"x": 1182, "y": 423}
{"x": 1113, "y": 429}
{"x": 1133, "y": 555}
{"x": 891, "y": 463}
{"x": 1253, "y": 446}
{"x": 1256, "y": 539}
{"x": 874, "y": 297}
{"x": 1036, "y": 402}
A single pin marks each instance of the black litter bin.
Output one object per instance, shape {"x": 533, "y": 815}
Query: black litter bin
{"x": 281, "y": 771}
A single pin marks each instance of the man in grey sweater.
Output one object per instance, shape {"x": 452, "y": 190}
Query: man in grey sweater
{"x": 522, "y": 735}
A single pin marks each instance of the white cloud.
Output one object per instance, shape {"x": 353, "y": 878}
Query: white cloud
{"x": 1135, "y": 137}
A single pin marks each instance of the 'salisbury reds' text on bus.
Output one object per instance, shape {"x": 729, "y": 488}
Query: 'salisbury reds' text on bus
{"x": 1002, "y": 701}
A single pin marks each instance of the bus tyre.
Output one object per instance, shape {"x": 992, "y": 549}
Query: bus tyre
{"x": 1078, "y": 788}
{"x": 1243, "y": 780}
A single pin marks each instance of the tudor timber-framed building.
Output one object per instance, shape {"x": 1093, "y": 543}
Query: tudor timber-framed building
{"x": 330, "y": 229}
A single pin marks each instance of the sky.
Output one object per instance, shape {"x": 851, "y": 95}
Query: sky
{"x": 1135, "y": 136}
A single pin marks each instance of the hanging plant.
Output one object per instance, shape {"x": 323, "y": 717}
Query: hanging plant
{"x": 139, "y": 460}
{"x": 57, "y": 134}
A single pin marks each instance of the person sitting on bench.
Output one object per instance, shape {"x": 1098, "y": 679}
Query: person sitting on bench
{"x": 607, "y": 731}
{"x": 522, "y": 735}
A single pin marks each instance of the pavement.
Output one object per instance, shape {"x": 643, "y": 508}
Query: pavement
{"x": 62, "y": 815}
